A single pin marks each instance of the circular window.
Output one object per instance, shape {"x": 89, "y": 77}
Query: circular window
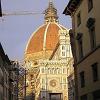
{"x": 53, "y": 83}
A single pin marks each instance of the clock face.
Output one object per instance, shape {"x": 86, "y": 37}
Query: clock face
{"x": 53, "y": 83}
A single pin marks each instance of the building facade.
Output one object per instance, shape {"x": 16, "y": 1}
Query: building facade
{"x": 71, "y": 81}
{"x": 8, "y": 78}
{"x": 51, "y": 81}
{"x": 4, "y": 64}
{"x": 13, "y": 80}
{"x": 85, "y": 41}
{"x": 47, "y": 54}
{"x": 21, "y": 83}
{"x": 1, "y": 73}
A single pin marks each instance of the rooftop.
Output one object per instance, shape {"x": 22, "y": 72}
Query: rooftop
{"x": 71, "y": 7}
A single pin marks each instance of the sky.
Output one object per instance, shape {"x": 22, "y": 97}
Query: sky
{"x": 15, "y": 31}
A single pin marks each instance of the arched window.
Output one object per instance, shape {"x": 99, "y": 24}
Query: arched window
{"x": 51, "y": 71}
{"x": 58, "y": 70}
{"x": 63, "y": 53}
{"x": 55, "y": 71}
{"x": 63, "y": 47}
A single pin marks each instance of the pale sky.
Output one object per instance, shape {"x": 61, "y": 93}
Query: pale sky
{"x": 16, "y": 30}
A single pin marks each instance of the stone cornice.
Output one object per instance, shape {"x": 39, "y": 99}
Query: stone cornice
{"x": 53, "y": 62}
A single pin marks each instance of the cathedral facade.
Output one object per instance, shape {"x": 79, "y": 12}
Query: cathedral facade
{"x": 47, "y": 54}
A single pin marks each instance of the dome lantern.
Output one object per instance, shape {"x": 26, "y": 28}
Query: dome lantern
{"x": 51, "y": 13}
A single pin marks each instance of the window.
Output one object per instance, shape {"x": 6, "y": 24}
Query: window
{"x": 55, "y": 71}
{"x": 51, "y": 71}
{"x": 91, "y": 27}
{"x": 58, "y": 70}
{"x": 82, "y": 80}
{"x": 90, "y": 5}
{"x": 80, "y": 47}
{"x": 95, "y": 71}
{"x": 84, "y": 97}
{"x": 92, "y": 37}
{"x": 63, "y": 53}
{"x": 63, "y": 47}
{"x": 64, "y": 80}
{"x": 43, "y": 87}
{"x": 43, "y": 81}
{"x": 78, "y": 19}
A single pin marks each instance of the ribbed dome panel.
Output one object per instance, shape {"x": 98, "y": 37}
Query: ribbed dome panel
{"x": 36, "y": 42}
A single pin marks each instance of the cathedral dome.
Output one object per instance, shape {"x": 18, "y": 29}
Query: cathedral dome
{"x": 46, "y": 37}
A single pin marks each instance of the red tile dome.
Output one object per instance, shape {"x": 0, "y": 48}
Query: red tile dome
{"x": 45, "y": 38}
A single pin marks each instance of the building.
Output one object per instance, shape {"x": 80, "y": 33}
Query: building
{"x": 51, "y": 80}
{"x": 4, "y": 65}
{"x": 71, "y": 81}
{"x": 85, "y": 41}
{"x": 21, "y": 83}
{"x": 47, "y": 54}
{"x": 0, "y": 9}
{"x": 8, "y": 78}
{"x": 1, "y": 72}
{"x": 13, "y": 80}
